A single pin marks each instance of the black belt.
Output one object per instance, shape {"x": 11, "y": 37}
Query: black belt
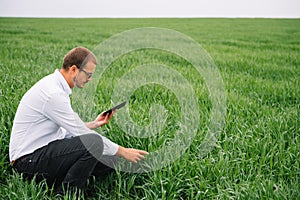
{"x": 21, "y": 159}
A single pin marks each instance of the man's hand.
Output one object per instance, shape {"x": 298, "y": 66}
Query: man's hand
{"x": 104, "y": 119}
{"x": 132, "y": 155}
{"x": 100, "y": 120}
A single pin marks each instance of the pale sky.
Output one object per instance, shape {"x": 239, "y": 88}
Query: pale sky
{"x": 150, "y": 8}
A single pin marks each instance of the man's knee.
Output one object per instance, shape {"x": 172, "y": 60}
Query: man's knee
{"x": 93, "y": 143}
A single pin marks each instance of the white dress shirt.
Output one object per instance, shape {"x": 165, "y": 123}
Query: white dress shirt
{"x": 44, "y": 115}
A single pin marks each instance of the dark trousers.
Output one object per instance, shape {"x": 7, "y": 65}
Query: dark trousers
{"x": 67, "y": 162}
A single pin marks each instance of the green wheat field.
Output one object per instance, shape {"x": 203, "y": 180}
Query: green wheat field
{"x": 257, "y": 153}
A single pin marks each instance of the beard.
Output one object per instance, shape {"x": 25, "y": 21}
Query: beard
{"x": 78, "y": 83}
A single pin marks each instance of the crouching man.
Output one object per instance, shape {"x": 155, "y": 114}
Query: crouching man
{"x": 48, "y": 138}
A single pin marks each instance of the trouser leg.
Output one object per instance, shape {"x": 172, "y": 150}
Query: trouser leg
{"x": 68, "y": 161}
{"x": 105, "y": 166}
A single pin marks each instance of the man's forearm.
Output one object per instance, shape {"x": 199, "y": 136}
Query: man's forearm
{"x": 92, "y": 125}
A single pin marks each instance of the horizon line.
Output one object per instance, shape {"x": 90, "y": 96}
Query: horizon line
{"x": 154, "y": 17}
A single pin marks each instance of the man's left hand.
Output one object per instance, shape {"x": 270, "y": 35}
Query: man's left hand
{"x": 103, "y": 119}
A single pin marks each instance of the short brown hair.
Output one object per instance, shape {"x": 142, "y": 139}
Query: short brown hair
{"x": 78, "y": 56}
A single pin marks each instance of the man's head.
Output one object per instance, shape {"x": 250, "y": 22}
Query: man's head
{"x": 78, "y": 66}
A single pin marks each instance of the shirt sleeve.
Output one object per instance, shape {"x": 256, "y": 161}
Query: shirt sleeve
{"x": 58, "y": 109}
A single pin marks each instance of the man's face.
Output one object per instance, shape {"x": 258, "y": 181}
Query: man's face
{"x": 84, "y": 75}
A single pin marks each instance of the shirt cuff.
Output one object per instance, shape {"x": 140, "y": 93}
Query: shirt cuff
{"x": 110, "y": 148}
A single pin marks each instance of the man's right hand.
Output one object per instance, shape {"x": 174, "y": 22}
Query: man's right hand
{"x": 132, "y": 155}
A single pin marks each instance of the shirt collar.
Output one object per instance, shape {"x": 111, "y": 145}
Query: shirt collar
{"x": 63, "y": 82}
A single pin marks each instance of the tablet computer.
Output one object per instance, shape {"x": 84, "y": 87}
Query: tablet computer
{"x": 114, "y": 108}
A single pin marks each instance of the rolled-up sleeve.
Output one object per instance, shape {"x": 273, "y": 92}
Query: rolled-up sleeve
{"x": 58, "y": 109}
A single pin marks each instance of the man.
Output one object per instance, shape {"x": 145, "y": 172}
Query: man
{"x": 48, "y": 138}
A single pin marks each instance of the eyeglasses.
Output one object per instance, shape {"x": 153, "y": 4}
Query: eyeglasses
{"x": 88, "y": 74}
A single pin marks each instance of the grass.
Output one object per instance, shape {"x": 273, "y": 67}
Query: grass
{"x": 257, "y": 153}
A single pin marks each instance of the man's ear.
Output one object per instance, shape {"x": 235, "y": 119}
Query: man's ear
{"x": 73, "y": 69}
